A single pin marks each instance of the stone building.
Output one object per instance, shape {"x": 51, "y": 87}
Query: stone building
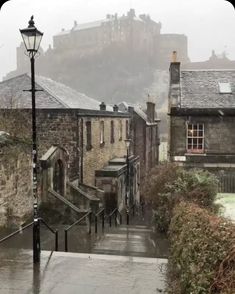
{"x": 144, "y": 130}
{"x": 202, "y": 121}
{"x": 77, "y": 137}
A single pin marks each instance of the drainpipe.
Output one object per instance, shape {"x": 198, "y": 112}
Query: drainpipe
{"x": 81, "y": 148}
{"x": 77, "y": 150}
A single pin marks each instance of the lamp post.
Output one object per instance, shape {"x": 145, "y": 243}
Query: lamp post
{"x": 32, "y": 38}
{"x": 128, "y": 142}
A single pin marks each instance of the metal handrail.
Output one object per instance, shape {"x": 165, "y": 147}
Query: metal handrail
{"x": 115, "y": 212}
{"x": 102, "y": 213}
{"x": 55, "y": 232}
{"x": 16, "y": 232}
{"x": 88, "y": 214}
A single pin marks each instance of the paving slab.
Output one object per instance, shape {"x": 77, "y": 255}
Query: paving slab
{"x": 73, "y": 273}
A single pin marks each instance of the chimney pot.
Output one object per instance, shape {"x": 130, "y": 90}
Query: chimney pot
{"x": 102, "y": 106}
{"x": 115, "y": 108}
{"x": 174, "y": 56}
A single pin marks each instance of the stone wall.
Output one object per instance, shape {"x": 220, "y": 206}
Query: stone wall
{"x": 218, "y": 131}
{"x": 146, "y": 144}
{"x": 99, "y": 155}
{"x": 16, "y": 200}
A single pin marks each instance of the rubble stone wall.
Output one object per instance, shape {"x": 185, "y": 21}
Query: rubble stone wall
{"x": 16, "y": 202}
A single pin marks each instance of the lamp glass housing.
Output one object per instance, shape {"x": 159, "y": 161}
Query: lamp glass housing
{"x": 31, "y": 37}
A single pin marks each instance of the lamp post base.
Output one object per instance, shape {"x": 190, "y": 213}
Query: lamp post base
{"x": 36, "y": 241}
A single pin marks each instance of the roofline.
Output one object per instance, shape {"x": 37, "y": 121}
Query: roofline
{"x": 93, "y": 112}
{"x": 77, "y": 111}
{"x": 176, "y": 111}
{"x": 219, "y": 69}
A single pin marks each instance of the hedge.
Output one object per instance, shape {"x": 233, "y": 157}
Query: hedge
{"x": 202, "y": 253}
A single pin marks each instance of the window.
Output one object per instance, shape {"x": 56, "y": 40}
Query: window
{"x": 112, "y": 132}
{"x": 195, "y": 138}
{"x": 101, "y": 133}
{"x": 120, "y": 131}
{"x": 127, "y": 129}
{"x": 88, "y": 135}
{"x": 225, "y": 88}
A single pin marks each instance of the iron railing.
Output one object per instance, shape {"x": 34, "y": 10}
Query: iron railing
{"x": 55, "y": 232}
{"x": 101, "y": 214}
{"x": 115, "y": 213}
{"x": 88, "y": 214}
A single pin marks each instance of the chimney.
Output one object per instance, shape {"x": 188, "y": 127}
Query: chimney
{"x": 150, "y": 109}
{"x": 131, "y": 109}
{"x": 115, "y": 108}
{"x": 102, "y": 106}
{"x": 174, "y": 69}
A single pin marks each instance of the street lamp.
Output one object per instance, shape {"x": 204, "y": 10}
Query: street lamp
{"x": 32, "y": 38}
{"x": 128, "y": 142}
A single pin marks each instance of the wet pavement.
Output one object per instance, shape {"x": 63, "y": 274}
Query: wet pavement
{"x": 73, "y": 273}
{"x": 132, "y": 240}
{"x": 124, "y": 259}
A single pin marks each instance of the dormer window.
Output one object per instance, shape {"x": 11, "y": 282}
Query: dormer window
{"x": 225, "y": 88}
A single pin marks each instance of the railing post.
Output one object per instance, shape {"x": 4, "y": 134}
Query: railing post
{"x": 110, "y": 220}
{"x": 56, "y": 240}
{"x": 133, "y": 209}
{"x": 127, "y": 216}
{"x": 96, "y": 226}
{"x": 120, "y": 217}
{"x": 115, "y": 218}
{"x": 103, "y": 221}
{"x": 89, "y": 220}
{"x": 65, "y": 240}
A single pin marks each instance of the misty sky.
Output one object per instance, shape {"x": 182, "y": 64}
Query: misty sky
{"x": 209, "y": 24}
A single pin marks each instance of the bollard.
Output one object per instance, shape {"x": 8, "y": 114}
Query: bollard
{"x": 115, "y": 220}
{"x": 110, "y": 221}
{"x": 56, "y": 240}
{"x": 89, "y": 220}
{"x": 127, "y": 217}
{"x": 96, "y": 226}
{"x": 103, "y": 221}
{"x": 65, "y": 240}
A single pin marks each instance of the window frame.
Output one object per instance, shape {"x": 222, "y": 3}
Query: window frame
{"x": 102, "y": 133}
{"x": 120, "y": 130}
{"x": 112, "y": 135}
{"x": 197, "y": 138}
{"x": 127, "y": 129}
{"x": 88, "y": 135}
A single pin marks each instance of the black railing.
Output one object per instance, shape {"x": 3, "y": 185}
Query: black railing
{"x": 88, "y": 214}
{"x": 101, "y": 214}
{"x": 16, "y": 232}
{"x": 55, "y": 232}
{"x": 115, "y": 213}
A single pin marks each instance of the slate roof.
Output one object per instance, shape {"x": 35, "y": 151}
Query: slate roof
{"x": 200, "y": 89}
{"x": 54, "y": 95}
{"x": 123, "y": 106}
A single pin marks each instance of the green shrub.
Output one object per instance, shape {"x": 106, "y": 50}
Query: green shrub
{"x": 168, "y": 184}
{"x": 200, "y": 243}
